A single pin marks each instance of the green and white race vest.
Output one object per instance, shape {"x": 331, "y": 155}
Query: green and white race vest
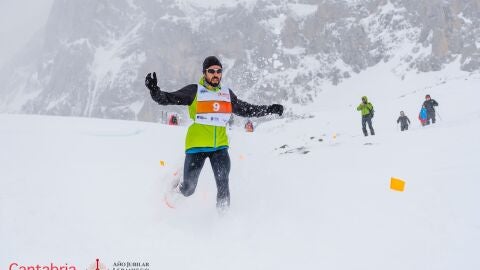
{"x": 210, "y": 112}
{"x": 214, "y": 108}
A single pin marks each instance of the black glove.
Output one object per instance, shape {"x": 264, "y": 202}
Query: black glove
{"x": 151, "y": 83}
{"x": 275, "y": 109}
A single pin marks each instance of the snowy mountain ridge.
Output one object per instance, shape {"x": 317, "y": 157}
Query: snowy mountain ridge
{"x": 93, "y": 56}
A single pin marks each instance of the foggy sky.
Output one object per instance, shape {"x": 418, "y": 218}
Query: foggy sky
{"x": 19, "y": 20}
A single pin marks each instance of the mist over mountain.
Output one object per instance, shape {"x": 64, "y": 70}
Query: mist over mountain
{"x": 92, "y": 56}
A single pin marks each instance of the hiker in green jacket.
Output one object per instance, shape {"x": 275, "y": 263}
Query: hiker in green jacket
{"x": 366, "y": 108}
{"x": 210, "y": 105}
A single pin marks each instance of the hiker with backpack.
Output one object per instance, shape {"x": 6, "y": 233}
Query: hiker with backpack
{"x": 404, "y": 121}
{"x": 366, "y": 109}
{"x": 422, "y": 116}
{"x": 429, "y": 104}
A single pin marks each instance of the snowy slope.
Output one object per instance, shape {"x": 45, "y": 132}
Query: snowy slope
{"x": 72, "y": 189}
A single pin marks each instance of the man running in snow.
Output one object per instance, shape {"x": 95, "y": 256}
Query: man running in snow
{"x": 404, "y": 121}
{"x": 366, "y": 108}
{"x": 429, "y": 104}
{"x": 210, "y": 105}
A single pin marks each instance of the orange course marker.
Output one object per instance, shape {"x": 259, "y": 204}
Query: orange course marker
{"x": 397, "y": 184}
{"x": 162, "y": 162}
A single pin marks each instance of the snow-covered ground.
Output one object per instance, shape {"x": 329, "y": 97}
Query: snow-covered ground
{"x": 308, "y": 192}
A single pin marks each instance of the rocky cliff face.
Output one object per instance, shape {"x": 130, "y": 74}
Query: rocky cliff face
{"x": 93, "y": 55}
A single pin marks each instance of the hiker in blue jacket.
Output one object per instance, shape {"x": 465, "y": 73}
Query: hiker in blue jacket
{"x": 422, "y": 116}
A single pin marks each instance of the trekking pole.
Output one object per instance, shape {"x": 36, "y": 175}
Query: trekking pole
{"x": 439, "y": 117}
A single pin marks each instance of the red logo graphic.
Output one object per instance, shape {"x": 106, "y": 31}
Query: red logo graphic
{"x": 97, "y": 265}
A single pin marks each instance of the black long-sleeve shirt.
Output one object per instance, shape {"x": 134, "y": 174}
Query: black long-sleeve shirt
{"x": 404, "y": 120}
{"x": 429, "y": 104}
{"x": 186, "y": 96}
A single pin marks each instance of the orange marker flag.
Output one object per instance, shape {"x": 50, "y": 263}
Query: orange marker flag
{"x": 397, "y": 184}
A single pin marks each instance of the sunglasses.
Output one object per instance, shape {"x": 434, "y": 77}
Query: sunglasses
{"x": 213, "y": 71}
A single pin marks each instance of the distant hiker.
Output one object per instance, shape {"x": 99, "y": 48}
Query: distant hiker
{"x": 429, "y": 104}
{"x": 366, "y": 109}
{"x": 173, "y": 120}
{"x": 249, "y": 126}
{"x": 404, "y": 121}
{"x": 210, "y": 105}
{"x": 422, "y": 116}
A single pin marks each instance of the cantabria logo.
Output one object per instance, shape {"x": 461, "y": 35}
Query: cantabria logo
{"x": 97, "y": 265}
{"x": 51, "y": 266}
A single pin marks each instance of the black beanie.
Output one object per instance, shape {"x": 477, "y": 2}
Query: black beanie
{"x": 211, "y": 61}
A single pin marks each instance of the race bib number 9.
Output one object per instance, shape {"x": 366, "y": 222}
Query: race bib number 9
{"x": 214, "y": 107}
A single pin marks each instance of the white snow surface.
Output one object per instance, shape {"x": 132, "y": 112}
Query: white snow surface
{"x": 73, "y": 190}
